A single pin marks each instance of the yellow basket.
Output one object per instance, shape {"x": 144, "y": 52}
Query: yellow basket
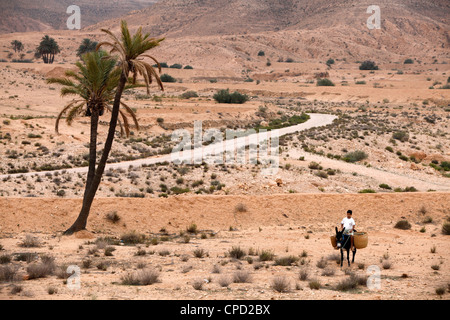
{"x": 360, "y": 240}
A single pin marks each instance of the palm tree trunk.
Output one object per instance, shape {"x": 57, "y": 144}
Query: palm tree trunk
{"x": 92, "y": 149}
{"x": 81, "y": 222}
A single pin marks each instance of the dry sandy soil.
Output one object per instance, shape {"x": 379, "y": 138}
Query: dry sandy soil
{"x": 287, "y": 225}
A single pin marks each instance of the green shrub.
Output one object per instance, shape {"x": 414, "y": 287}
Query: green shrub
{"x": 401, "y": 136}
{"x": 408, "y": 61}
{"x": 237, "y": 253}
{"x": 445, "y": 165}
{"x": 266, "y": 255}
{"x": 367, "y": 191}
{"x": 355, "y": 156}
{"x": 314, "y": 166}
{"x": 224, "y": 96}
{"x": 403, "y": 225}
{"x": 189, "y": 94}
{"x": 322, "y": 174}
{"x": 192, "y": 228}
{"x": 176, "y": 66}
{"x": 188, "y": 67}
{"x": 368, "y": 65}
{"x": 446, "y": 228}
{"x": 162, "y": 64}
{"x": 325, "y": 83}
{"x": 261, "y": 53}
{"x": 167, "y": 78}
{"x": 385, "y": 186}
{"x": 178, "y": 190}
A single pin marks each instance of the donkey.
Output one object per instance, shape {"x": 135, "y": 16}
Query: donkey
{"x": 344, "y": 242}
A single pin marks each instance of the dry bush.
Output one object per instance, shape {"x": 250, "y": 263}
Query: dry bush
{"x": 5, "y": 258}
{"x": 241, "y": 276}
{"x": 109, "y": 251}
{"x": 240, "y": 208}
{"x": 199, "y": 253}
{"x": 216, "y": 269}
{"x": 16, "y": 289}
{"x": 322, "y": 263}
{"x": 352, "y": 282}
{"x": 40, "y": 270}
{"x": 224, "y": 281}
{"x": 304, "y": 274}
{"x": 8, "y": 274}
{"x": 334, "y": 257}
{"x": 141, "y": 278}
{"x": 286, "y": 261}
{"x": 30, "y": 242}
{"x": 132, "y": 238}
{"x": 197, "y": 284}
{"x": 281, "y": 284}
{"x": 236, "y": 253}
{"x": 61, "y": 272}
{"x": 347, "y": 284}
{"x": 113, "y": 217}
{"x": 314, "y": 284}
{"x": 328, "y": 272}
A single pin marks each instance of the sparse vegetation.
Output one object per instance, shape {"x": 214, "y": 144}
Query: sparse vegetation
{"x": 144, "y": 277}
{"x": 368, "y": 65}
{"x": 224, "y": 96}
{"x": 281, "y": 284}
{"x": 403, "y": 225}
{"x": 325, "y": 83}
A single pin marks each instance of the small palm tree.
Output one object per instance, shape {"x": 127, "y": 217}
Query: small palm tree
{"x": 94, "y": 84}
{"x": 47, "y": 49}
{"x": 17, "y": 45}
{"x": 131, "y": 51}
{"x": 86, "y": 46}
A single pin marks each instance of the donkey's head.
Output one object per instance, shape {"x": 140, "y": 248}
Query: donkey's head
{"x": 339, "y": 235}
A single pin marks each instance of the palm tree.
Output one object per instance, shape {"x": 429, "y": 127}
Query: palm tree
{"x": 47, "y": 49}
{"x": 94, "y": 84}
{"x": 17, "y": 45}
{"x": 131, "y": 51}
{"x": 86, "y": 46}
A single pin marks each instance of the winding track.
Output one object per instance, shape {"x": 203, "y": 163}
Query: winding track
{"x": 316, "y": 120}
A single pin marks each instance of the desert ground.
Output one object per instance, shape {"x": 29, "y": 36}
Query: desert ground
{"x": 377, "y": 142}
{"x": 412, "y": 263}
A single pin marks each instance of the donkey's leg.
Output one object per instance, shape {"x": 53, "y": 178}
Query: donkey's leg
{"x": 354, "y": 253}
{"x": 342, "y": 257}
{"x": 348, "y": 257}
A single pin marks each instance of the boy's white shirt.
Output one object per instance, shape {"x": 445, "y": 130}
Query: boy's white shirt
{"x": 348, "y": 224}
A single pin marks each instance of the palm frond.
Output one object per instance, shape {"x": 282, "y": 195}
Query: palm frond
{"x": 132, "y": 114}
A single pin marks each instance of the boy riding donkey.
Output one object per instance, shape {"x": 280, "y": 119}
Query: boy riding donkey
{"x": 348, "y": 228}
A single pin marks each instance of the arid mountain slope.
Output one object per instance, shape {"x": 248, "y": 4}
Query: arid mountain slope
{"x": 27, "y": 15}
{"x": 302, "y": 29}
